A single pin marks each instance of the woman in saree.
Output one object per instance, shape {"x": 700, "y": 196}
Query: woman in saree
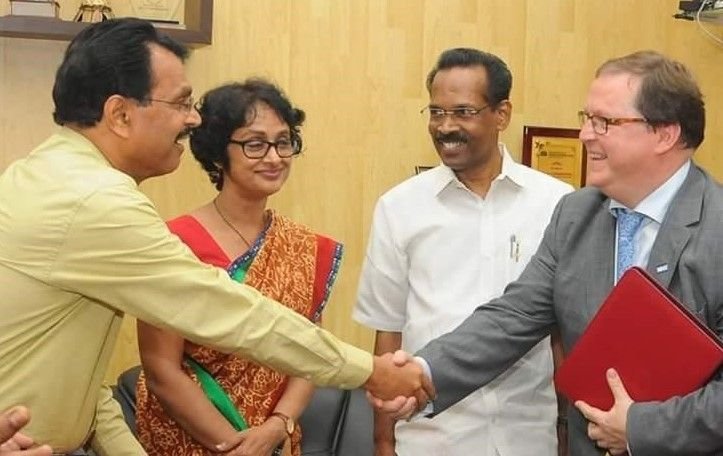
{"x": 190, "y": 398}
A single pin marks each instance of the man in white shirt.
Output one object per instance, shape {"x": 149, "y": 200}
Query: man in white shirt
{"x": 643, "y": 120}
{"x": 449, "y": 239}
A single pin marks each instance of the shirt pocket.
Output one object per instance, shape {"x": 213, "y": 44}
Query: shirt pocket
{"x": 519, "y": 255}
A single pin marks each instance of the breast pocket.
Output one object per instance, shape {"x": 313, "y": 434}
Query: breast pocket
{"x": 520, "y": 253}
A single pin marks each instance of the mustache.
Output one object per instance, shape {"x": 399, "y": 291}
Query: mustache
{"x": 451, "y": 137}
{"x": 183, "y": 135}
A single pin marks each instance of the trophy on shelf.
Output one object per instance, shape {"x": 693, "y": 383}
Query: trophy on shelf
{"x": 42, "y": 8}
{"x": 93, "y": 11}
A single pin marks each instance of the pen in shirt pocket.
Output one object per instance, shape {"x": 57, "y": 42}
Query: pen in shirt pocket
{"x": 514, "y": 248}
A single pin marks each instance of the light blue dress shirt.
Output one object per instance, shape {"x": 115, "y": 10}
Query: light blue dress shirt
{"x": 654, "y": 207}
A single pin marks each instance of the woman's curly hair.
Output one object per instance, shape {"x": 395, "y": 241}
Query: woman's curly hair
{"x": 232, "y": 106}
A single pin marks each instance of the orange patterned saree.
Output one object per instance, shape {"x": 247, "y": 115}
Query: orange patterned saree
{"x": 287, "y": 263}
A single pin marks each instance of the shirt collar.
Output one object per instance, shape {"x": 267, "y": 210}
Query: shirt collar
{"x": 655, "y": 205}
{"x": 443, "y": 176}
{"x": 511, "y": 169}
{"x": 81, "y": 143}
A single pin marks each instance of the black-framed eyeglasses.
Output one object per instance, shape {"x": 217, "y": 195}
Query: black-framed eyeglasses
{"x": 185, "y": 105}
{"x": 600, "y": 123}
{"x": 461, "y": 113}
{"x": 258, "y": 148}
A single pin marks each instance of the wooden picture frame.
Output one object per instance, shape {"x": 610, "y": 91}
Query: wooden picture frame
{"x": 557, "y": 152}
{"x": 419, "y": 168}
{"x": 197, "y": 14}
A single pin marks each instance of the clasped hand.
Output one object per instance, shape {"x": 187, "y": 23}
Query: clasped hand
{"x": 14, "y": 443}
{"x": 608, "y": 429}
{"x": 256, "y": 441}
{"x": 398, "y": 386}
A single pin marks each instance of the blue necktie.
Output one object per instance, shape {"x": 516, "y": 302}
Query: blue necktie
{"x": 628, "y": 224}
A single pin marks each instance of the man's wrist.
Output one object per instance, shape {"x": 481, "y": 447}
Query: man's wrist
{"x": 384, "y": 440}
{"x": 386, "y": 447}
{"x": 371, "y": 383}
{"x": 384, "y": 432}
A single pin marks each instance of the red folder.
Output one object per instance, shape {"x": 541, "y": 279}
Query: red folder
{"x": 655, "y": 343}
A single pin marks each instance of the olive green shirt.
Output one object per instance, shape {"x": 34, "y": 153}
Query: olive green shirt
{"x": 80, "y": 245}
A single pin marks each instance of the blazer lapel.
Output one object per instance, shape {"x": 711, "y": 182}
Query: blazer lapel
{"x": 600, "y": 280}
{"x": 674, "y": 233}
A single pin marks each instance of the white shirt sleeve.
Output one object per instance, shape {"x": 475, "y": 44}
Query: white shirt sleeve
{"x": 384, "y": 284}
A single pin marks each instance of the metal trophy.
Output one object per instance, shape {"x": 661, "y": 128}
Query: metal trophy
{"x": 93, "y": 11}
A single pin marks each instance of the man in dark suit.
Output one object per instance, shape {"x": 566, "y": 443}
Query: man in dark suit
{"x": 642, "y": 122}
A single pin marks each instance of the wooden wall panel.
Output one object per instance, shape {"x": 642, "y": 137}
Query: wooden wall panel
{"x": 358, "y": 67}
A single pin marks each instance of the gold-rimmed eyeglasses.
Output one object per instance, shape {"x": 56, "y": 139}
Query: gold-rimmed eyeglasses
{"x": 185, "y": 105}
{"x": 461, "y": 113}
{"x": 600, "y": 123}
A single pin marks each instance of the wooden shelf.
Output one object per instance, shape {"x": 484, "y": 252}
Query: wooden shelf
{"x": 198, "y": 18}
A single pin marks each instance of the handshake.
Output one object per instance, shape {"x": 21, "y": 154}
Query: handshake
{"x": 398, "y": 385}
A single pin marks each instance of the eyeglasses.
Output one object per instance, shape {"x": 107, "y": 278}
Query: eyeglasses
{"x": 600, "y": 124}
{"x": 185, "y": 105}
{"x": 464, "y": 113}
{"x": 257, "y": 149}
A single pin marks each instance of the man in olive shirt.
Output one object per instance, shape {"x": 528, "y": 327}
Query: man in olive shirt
{"x": 80, "y": 245}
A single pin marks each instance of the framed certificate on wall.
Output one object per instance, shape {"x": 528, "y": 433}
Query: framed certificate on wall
{"x": 158, "y": 10}
{"x": 557, "y": 152}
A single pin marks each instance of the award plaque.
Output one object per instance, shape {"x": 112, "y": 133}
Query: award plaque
{"x": 165, "y": 11}
{"x": 42, "y": 8}
{"x": 557, "y": 152}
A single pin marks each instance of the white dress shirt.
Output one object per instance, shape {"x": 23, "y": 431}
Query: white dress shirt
{"x": 436, "y": 252}
{"x": 653, "y": 207}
